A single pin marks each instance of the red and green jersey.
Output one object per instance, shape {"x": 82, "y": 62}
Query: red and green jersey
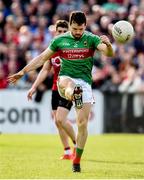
{"x": 76, "y": 55}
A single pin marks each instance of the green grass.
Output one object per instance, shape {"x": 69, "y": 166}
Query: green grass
{"x": 105, "y": 156}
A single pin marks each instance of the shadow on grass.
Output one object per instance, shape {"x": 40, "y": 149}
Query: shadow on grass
{"x": 113, "y": 162}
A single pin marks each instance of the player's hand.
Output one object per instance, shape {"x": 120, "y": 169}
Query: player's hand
{"x": 31, "y": 92}
{"x": 105, "y": 40}
{"x": 15, "y": 77}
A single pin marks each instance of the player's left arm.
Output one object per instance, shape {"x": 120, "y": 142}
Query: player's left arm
{"x": 105, "y": 46}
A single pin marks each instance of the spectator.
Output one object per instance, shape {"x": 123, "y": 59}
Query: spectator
{"x": 3, "y": 80}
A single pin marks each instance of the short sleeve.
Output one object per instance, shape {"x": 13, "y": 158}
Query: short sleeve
{"x": 96, "y": 40}
{"x": 53, "y": 45}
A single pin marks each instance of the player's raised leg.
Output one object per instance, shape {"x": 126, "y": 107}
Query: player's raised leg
{"x": 66, "y": 87}
{"x": 70, "y": 90}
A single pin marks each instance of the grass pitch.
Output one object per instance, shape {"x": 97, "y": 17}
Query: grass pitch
{"x": 105, "y": 156}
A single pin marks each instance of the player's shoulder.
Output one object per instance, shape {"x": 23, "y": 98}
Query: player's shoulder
{"x": 90, "y": 34}
{"x": 93, "y": 39}
{"x": 62, "y": 36}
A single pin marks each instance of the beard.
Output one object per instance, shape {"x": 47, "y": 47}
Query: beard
{"x": 77, "y": 36}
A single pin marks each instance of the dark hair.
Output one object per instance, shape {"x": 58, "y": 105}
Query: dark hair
{"x": 62, "y": 23}
{"x": 77, "y": 17}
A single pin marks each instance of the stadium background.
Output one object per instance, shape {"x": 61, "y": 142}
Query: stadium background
{"x": 26, "y": 28}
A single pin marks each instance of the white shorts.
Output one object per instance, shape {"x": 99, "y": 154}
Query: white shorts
{"x": 87, "y": 90}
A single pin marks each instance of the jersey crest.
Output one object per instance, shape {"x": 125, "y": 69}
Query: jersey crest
{"x": 56, "y": 61}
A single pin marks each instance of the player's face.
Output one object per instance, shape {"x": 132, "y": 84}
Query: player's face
{"x": 61, "y": 30}
{"x": 77, "y": 30}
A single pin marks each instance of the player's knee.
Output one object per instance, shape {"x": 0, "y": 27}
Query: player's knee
{"x": 60, "y": 86}
{"x": 58, "y": 122}
{"x": 69, "y": 93}
{"x": 82, "y": 124}
{"x": 62, "y": 82}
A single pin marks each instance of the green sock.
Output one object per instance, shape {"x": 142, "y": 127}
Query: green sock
{"x": 79, "y": 152}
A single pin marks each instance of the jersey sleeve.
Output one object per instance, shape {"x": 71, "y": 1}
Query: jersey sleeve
{"x": 53, "y": 45}
{"x": 96, "y": 40}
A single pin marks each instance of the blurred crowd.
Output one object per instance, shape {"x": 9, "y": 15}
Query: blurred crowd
{"x": 26, "y": 28}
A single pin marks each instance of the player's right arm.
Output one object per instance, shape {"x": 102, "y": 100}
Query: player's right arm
{"x": 40, "y": 78}
{"x": 34, "y": 64}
